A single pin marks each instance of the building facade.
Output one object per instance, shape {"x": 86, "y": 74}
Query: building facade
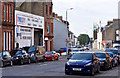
{"x": 60, "y": 33}
{"x": 42, "y": 9}
{"x": 6, "y": 25}
{"x": 29, "y": 29}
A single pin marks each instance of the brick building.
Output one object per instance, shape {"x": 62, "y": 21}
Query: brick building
{"x": 42, "y": 9}
{"x": 6, "y": 25}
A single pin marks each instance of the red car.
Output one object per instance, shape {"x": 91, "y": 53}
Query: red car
{"x": 51, "y": 55}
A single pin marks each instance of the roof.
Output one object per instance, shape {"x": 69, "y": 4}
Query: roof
{"x": 84, "y": 52}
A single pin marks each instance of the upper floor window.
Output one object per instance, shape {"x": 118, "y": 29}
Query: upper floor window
{"x": 10, "y": 13}
{"x": 4, "y": 12}
{"x": 7, "y": 12}
{"x": 46, "y": 9}
{"x": 48, "y": 28}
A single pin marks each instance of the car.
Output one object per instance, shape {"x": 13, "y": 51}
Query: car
{"x": 114, "y": 59}
{"x": 115, "y": 51}
{"x": 74, "y": 51}
{"x": 5, "y": 59}
{"x": 37, "y": 53}
{"x": 82, "y": 62}
{"x": 21, "y": 57}
{"x": 62, "y": 50}
{"x": 105, "y": 60}
{"x": 51, "y": 56}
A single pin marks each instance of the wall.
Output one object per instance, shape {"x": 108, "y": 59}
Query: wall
{"x": 60, "y": 34}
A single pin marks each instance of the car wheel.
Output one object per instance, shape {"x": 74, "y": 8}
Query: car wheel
{"x": 98, "y": 70}
{"x": 36, "y": 60}
{"x": 21, "y": 62}
{"x": 58, "y": 58}
{"x": 2, "y": 64}
{"x": 116, "y": 64}
{"x": 93, "y": 72}
{"x": 111, "y": 65}
{"x": 11, "y": 63}
{"x": 29, "y": 61}
{"x": 53, "y": 58}
{"x": 67, "y": 73}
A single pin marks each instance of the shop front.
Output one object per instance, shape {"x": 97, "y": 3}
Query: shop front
{"x": 28, "y": 29}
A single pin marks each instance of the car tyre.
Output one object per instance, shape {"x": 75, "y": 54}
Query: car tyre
{"x": 2, "y": 64}
{"x": 11, "y": 63}
{"x": 53, "y": 58}
{"x": 29, "y": 61}
{"x": 93, "y": 71}
{"x": 67, "y": 73}
{"x": 98, "y": 70}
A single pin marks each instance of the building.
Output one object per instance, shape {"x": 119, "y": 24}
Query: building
{"x": 29, "y": 29}
{"x": 6, "y": 25}
{"x": 60, "y": 32}
{"x": 42, "y": 9}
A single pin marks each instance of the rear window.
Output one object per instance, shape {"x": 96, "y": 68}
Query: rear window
{"x": 100, "y": 55}
{"x": 113, "y": 51}
{"x": 31, "y": 49}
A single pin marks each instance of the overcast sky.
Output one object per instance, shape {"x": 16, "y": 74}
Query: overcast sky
{"x": 86, "y": 13}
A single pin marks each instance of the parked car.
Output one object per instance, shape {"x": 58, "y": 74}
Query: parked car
{"x": 51, "y": 56}
{"x": 115, "y": 51}
{"x": 37, "y": 53}
{"x": 74, "y": 51}
{"x": 82, "y": 62}
{"x": 21, "y": 57}
{"x": 114, "y": 59}
{"x": 5, "y": 59}
{"x": 105, "y": 60}
{"x": 62, "y": 50}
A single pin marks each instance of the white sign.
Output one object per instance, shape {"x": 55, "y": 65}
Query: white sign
{"x": 29, "y": 20}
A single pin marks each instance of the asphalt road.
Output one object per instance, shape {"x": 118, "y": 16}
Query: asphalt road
{"x": 50, "y": 68}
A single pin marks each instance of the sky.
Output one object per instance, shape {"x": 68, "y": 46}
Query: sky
{"x": 86, "y": 13}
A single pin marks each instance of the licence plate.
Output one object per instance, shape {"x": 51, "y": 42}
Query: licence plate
{"x": 77, "y": 69}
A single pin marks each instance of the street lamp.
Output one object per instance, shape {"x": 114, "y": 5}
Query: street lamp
{"x": 68, "y": 30}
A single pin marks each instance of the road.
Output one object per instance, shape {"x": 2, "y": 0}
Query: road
{"x": 50, "y": 68}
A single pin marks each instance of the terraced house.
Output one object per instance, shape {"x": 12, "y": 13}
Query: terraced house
{"x": 6, "y": 25}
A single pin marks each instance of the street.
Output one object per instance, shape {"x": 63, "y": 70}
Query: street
{"x": 50, "y": 68}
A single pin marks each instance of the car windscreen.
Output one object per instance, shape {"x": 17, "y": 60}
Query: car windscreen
{"x": 18, "y": 52}
{"x": 48, "y": 52}
{"x": 113, "y": 51}
{"x": 82, "y": 56}
{"x": 31, "y": 49}
{"x": 100, "y": 55}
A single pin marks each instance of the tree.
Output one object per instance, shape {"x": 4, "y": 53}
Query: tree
{"x": 83, "y": 39}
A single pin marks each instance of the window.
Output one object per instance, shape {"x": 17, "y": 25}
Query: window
{"x": 48, "y": 28}
{"x": 4, "y": 12}
{"x": 46, "y": 10}
{"x": 9, "y": 41}
{"x": 7, "y": 12}
{"x": 4, "y": 40}
{"x": 10, "y": 13}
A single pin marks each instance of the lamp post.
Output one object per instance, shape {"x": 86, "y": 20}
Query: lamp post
{"x": 68, "y": 30}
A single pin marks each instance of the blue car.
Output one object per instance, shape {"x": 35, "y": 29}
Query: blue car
{"x": 82, "y": 62}
{"x": 115, "y": 51}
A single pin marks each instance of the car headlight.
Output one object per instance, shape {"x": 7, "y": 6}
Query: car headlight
{"x": 68, "y": 63}
{"x": 32, "y": 54}
{"x": 17, "y": 58}
{"x": 88, "y": 64}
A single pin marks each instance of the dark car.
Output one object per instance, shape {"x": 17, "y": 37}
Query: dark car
{"x": 115, "y": 51}
{"x": 82, "y": 62}
{"x": 37, "y": 53}
{"x": 114, "y": 59}
{"x": 105, "y": 60}
{"x": 21, "y": 57}
{"x": 51, "y": 56}
{"x": 5, "y": 59}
